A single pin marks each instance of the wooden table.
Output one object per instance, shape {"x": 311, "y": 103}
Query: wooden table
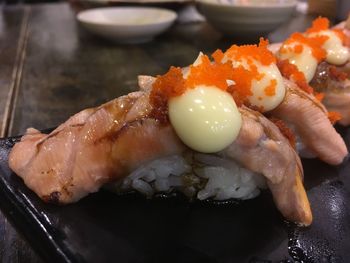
{"x": 51, "y": 68}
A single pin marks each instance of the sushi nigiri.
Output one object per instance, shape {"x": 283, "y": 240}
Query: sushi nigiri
{"x": 259, "y": 84}
{"x": 145, "y": 141}
{"x": 322, "y": 55}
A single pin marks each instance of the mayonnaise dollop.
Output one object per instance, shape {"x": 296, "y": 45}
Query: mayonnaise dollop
{"x": 205, "y": 118}
{"x": 269, "y": 91}
{"x": 262, "y": 96}
{"x": 337, "y": 53}
{"x": 304, "y": 61}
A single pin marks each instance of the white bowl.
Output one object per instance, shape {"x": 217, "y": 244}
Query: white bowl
{"x": 248, "y": 17}
{"x": 127, "y": 24}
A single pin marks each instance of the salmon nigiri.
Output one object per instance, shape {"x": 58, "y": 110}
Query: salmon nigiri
{"x": 131, "y": 143}
{"x": 322, "y": 54}
{"x": 260, "y": 81}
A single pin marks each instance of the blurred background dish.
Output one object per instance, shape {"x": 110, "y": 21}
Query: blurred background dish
{"x": 138, "y": 2}
{"x": 127, "y": 24}
{"x": 246, "y": 18}
{"x": 169, "y": 4}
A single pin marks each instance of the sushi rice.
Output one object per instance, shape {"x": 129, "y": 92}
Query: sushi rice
{"x": 198, "y": 176}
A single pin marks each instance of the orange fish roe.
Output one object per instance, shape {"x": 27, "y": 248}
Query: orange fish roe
{"x": 173, "y": 84}
{"x": 215, "y": 74}
{"x": 218, "y": 73}
{"x": 337, "y": 74}
{"x": 166, "y": 86}
{"x": 210, "y": 74}
{"x": 347, "y": 40}
{"x": 315, "y": 43}
{"x": 322, "y": 23}
{"x": 241, "y": 90}
{"x": 290, "y": 71}
{"x": 270, "y": 90}
{"x": 243, "y": 77}
{"x": 334, "y": 116}
{"x": 218, "y": 55}
{"x": 341, "y": 35}
{"x": 319, "y": 96}
{"x": 263, "y": 43}
{"x": 319, "y": 24}
{"x": 282, "y": 126}
{"x": 252, "y": 52}
{"x": 297, "y": 49}
{"x": 170, "y": 84}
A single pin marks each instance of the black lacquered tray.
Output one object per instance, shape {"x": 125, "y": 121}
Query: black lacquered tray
{"x": 104, "y": 227}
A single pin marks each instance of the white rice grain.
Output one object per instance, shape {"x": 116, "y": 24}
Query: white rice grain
{"x": 222, "y": 178}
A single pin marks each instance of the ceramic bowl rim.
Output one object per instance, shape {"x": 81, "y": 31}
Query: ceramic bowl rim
{"x": 171, "y": 16}
{"x": 293, "y": 3}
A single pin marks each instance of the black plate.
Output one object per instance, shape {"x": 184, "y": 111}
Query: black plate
{"x": 107, "y": 228}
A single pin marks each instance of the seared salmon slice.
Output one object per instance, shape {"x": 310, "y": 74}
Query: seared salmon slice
{"x": 104, "y": 144}
{"x": 310, "y": 120}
